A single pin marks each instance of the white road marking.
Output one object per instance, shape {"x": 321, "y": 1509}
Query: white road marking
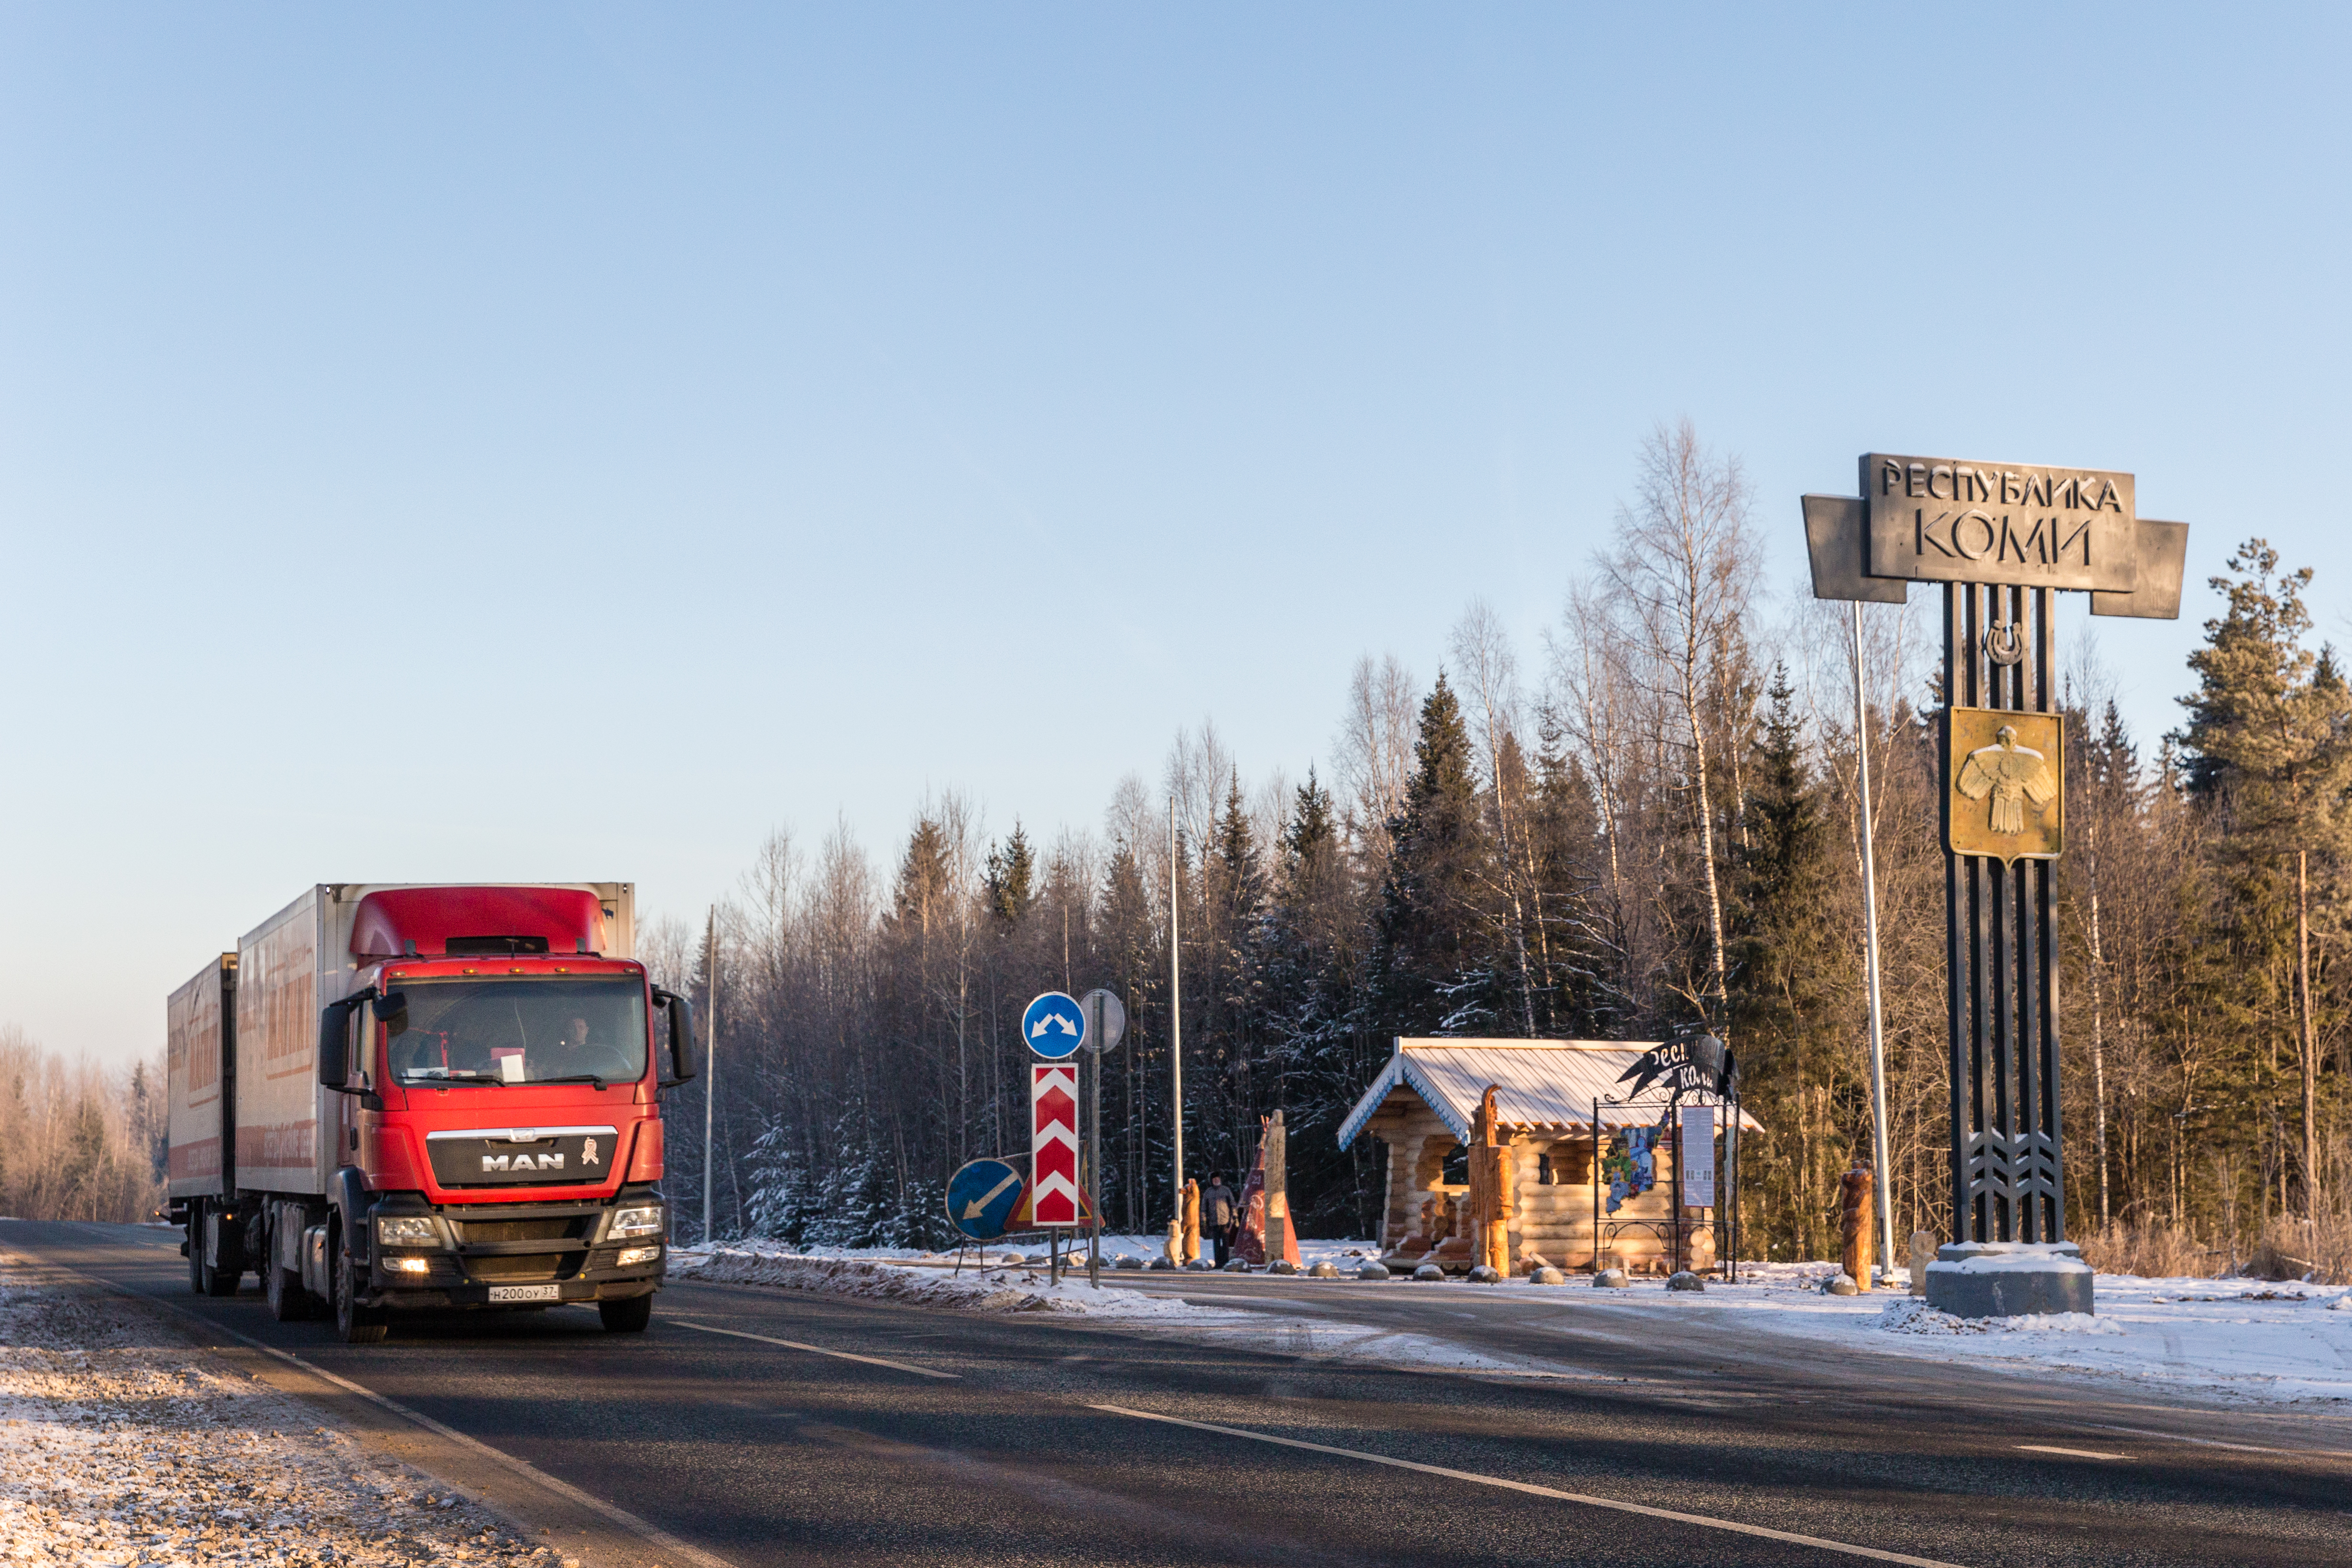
{"x": 2069, "y": 1453}
{"x": 1534, "y": 1490}
{"x": 813, "y": 1349}
{"x": 2216, "y": 1442}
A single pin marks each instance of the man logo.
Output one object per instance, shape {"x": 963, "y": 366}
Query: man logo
{"x": 588, "y": 1153}
{"x": 522, "y": 1162}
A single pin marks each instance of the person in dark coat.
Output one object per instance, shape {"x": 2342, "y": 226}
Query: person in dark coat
{"x": 1221, "y": 1212}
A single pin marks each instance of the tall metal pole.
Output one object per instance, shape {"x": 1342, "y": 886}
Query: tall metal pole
{"x": 709, "y": 1063}
{"x": 1094, "y": 1148}
{"x": 1870, "y": 967}
{"x": 1176, "y": 1007}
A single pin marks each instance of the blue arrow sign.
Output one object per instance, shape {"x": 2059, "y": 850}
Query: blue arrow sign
{"x": 983, "y": 1196}
{"x": 1054, "y": 1026}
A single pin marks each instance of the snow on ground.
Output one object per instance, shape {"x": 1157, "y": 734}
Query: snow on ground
{"x": 990, "y": 1289}
{"x": 2234, "y": 1338}
{"x": 2238, "y": 1339}
{"x": 1001, "y": 1289}
{"x": 1032, "y": 1248}
{"x": 119, "y": 1447}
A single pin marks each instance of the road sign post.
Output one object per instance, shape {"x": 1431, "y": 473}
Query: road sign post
{"x": 1106, "y": 1022}
{"x": 1055, "y": 1026}
{"x": 2003, "y": 539}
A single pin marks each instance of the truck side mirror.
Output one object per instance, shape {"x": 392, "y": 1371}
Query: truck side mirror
{"x": 391, "y": 1012}
{"x": 334, "y": 1036}
{"x": 681, "y": 1035}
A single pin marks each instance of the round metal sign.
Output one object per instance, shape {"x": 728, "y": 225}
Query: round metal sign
{"x": 1053, "y": 1025}
{"x": 1113, "y": 1017}
{"x": 982, "y": 1196}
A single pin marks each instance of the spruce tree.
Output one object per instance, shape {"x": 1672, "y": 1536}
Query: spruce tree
{"x": 1428, "y": 977}
{"x": 2269, "y": 741}
{"x": 1010, "y": 878}
{"x": 1786, "y": 959}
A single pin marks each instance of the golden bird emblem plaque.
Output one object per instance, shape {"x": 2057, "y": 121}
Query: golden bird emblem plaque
{"x": 2006, "y": 789}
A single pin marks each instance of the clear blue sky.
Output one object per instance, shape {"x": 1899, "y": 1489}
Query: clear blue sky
{"x": 539, "y": 441}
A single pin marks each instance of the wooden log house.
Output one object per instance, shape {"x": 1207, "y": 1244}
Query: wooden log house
{"x": 1422, "y": 1107}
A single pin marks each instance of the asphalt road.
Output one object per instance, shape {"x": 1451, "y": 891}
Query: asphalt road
{"x": 1052, "y": 1442}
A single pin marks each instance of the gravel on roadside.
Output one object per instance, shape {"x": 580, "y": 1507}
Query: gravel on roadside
{"x": 121, "y": 1445}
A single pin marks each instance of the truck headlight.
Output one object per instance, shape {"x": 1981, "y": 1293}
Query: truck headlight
{"x": 408, "y": 1265}
{"x": 406, "y": 1230}
{"x": 644, "y": 1219}
{"x": 629, "y": 1255}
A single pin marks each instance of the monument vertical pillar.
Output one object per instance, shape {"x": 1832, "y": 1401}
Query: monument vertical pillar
{"x": 2008, "y": 1169}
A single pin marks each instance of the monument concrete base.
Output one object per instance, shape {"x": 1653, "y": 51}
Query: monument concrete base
{"x": 2008, "y": 1278}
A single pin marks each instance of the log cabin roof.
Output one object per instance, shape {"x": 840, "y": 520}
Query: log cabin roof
{"x": 1547, "y": 1085}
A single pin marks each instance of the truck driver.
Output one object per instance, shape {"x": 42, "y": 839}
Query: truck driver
{"x": 575, "y": 1053}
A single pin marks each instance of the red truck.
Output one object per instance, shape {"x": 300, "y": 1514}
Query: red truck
{"x": 427, "y": 1098}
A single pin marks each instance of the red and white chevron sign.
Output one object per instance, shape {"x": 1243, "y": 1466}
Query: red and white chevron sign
{"x": 1053, "y": 1143}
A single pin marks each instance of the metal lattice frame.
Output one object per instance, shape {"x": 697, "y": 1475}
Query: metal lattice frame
{"x": 2001, "y": 950}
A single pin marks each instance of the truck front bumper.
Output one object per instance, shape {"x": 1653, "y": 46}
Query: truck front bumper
{"x": 513, "y": 1255}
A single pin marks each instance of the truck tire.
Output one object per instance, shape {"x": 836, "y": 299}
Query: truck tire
{"x": 354, "y": 1324}
{"x": 288, "y": 1302}
{"x": 629, "y": 1317}
{"x": 204, "y": 1277}
{"x": 219, "y": 1281}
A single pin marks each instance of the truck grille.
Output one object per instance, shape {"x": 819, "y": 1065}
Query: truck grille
{"x": 558, "y": 1229}
{"x": 569, "y": 1157}
{"x": 528, "y": 1266}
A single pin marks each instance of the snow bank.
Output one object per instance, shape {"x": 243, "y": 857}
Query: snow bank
{"x": 975, "y": 1290}
{"x": 1142, "y": 1248}
{"x": 1003, "y": 1290}
{"x": 2239, "y": 1340}
{"x": 120, "y": 1448}
{"x": 1909, "y": 1315}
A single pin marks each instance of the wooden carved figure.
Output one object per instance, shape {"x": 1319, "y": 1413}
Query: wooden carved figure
{"x": 1853, "y": 1221}
{"x": 1490, "y": 1189}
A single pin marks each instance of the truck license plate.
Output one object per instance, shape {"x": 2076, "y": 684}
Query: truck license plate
{"x": 526, "y": 1293}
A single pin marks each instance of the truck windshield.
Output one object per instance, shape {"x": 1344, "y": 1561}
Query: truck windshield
{"x": 521, "y": 1030}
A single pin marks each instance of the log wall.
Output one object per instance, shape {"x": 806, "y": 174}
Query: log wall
{"x": 1551, "y": 1221}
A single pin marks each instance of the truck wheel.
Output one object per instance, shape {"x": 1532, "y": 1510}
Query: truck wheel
{"x": 629, "y": 1317}
{"x": 288, "y": 1302}
{"x": 219, "y": 1281}
{"x": 354, "y": 1324}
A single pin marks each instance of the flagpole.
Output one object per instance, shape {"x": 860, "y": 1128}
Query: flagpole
{"x": 1176, "y": 1008}
{"x": 1870, "y": 970}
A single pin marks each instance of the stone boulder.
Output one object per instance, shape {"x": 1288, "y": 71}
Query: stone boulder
{"x": 1686, "y": 1280}
{"x": 1548, "y": 1275}
{"x": 1372, "y": 1271}
{"x": 1327, "y": 1270}
{"x": 1841, "y": 1285}
{"x": 1486, "y": 1274}
{"x": 1613, "y": 1280}
{"x": 1429, "y": 1271}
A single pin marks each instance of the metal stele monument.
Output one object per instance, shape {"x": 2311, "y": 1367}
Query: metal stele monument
{"x": 2003, "y": 539}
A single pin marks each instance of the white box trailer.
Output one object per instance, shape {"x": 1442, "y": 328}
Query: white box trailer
{"x": 199, "y": 1057}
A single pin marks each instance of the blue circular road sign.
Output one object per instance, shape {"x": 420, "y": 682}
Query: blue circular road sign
{"x": 982, "y": 1196}
{"x": 1055, "y": 1025}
